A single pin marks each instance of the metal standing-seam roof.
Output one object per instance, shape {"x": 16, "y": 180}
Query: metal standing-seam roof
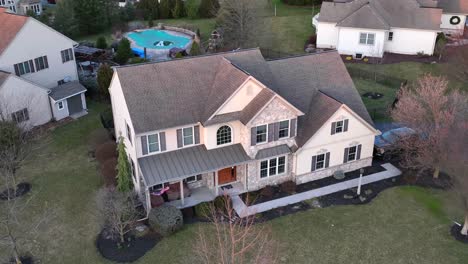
{"x": 273, "y": 152}
{"x": 182, "y": 163}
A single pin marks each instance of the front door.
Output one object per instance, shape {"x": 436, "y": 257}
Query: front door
{"x": 227, "y": 175}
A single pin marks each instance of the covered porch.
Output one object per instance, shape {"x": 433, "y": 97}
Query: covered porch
{"x": 190, "y": 176}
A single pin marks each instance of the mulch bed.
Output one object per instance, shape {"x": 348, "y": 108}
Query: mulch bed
{"x": 455, "y": 232}
{"x": 255, "y": 197}
{"x": 21, "y": 189}
{"x": 373, "y": 95}
{"x": 133, "y": 249}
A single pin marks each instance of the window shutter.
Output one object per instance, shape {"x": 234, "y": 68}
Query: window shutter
{"x": 333, "y": 128}
{"x": 162, "y": 140}
{"x": 327, "y": 159}
{"x": 31, "y": 65}
{"x": 17, "y": 72}
{"x": 144, "y": 145}
{"x": 276, "y": 130}
{"x": 292, "y": 129}
{"x": 253, "y": 136}
{"x": 36, "y": 61}
{"x": 271, "y": 132}
{"x": 346, "y": 152}
{"x": 71, "y": 54}
{"x": 345, "y": 128}
{"x": 358, "y": 154}
{"x": 196, "y": 132}
{"x": 179, "y": 138}
{"x": 26, "y": 114}
{"x": 46, "y": 62}
{"x": 314, "y": 162}
{"x": 63, "y": 56}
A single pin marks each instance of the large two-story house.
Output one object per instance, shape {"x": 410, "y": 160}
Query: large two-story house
{"x": 236, "y": 122}
{"x": 38, "y": 73}
{"x": 372, "y": 27}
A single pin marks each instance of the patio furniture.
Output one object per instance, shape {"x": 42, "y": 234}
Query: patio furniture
{"x": 156, "y": 200}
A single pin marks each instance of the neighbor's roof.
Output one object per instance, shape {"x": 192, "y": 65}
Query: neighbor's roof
{"x": 179, "y": 164}
{"x": 10, "y": 25}
{"x": 454, "y": 6}
{"x": 188, "y": 91}
{"x": 66, "y": 90}
{"x": 381, "y": 14}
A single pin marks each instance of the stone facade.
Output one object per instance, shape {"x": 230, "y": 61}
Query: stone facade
{"x": 255, "y": 182}
{"x": 320, "y": 174}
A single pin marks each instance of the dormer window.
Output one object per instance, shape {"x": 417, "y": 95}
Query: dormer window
{"x": 224, "y": 135}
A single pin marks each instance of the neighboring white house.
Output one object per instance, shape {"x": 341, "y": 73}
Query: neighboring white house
{"x": 22, "y": 6}
{"x": 236, "y": 122}
{"x": 372, "y": 27}
{"x": 41, "y": 57}
{"x": 454, "y": 17}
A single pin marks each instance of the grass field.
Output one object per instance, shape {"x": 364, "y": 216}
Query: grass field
{"x": 403, "y": 225}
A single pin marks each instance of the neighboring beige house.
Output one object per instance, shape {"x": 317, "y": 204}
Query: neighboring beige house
{"x": 235, "y": 122}
{"x": 22, "y": 7}
{"x": 43, "y": 58}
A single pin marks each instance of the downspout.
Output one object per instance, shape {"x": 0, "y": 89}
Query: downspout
{"x": 50, "y": 105}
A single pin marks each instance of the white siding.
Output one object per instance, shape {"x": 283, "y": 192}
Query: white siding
{"x": 449, "y": 28}
{"x": 35, "y": 40}
{"x": 323, "y": 141}
{"x": 17, "y": 94}
{"x": 327, "y": 35}
{"x": 410, "y": 41}
{"x": 348, "y": 42}
{"x": 59, "y": 113}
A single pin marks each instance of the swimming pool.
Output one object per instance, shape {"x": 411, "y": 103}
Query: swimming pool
{"x": 158, "y": 39}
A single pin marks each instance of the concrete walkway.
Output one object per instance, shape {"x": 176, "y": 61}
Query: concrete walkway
{"x": 243, "y": 211}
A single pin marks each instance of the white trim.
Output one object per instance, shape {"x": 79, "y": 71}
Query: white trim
{"x": 289, "y": 129}
{"x": 367, "y": 38}
{"x": 61, "y": 99}
{"x": 316, "y": 161}
{"x": 193, "y": 136}
{"x": 266, "y": 135}
{"x": 58, "y": 105}
{"x": 148, "y": 144}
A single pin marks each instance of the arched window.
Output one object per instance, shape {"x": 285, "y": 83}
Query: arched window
{"x": 223, "y": 135}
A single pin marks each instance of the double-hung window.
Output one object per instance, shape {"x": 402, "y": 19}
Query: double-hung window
{"x": 24, "y": 67}
{"x": 320, "y": 163}
{"x": 195, "y": 178}
{"x": 187, "y": 136}
{"x": 153, "y": 143}
{"x": 41, "y": 63}
{"x": 352, "y": 153}
{"x": 20, "y": 116}
{"x": 262, "y": 133}
{"x": 283, "y": 129}
{"x": 339, "y": 127}
{"x": 60, "y": 105}
{"x": 390, "y": 36}
{"x": 271, "y": 167}
{"x": 367, "y": 38}
{"x": 67, "y": 55}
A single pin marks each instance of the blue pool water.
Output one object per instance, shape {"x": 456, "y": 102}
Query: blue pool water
{"x": 158, "y": 39}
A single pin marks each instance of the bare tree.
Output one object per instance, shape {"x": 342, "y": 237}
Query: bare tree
{"x": 458, "y": 63}
{"x": 430, "y": 109}
{"x": 231, "y": 240}
{"x": 118, "y": 212}
{"x": 241, "y": 21}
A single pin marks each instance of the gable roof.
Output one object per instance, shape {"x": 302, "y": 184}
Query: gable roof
{"x": 188, "y": 91}
{"x": 381, "y": 14}
{"x": 10, "y": 25}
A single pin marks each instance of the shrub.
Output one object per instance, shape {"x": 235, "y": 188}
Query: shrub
{"x": 124, "y": 52}
{"x": 166, "y": 219}
{"x": 267, "y": 192}
{"x": 97, "y": 138}
{"x": 101, "y": 43}
{"x": 195, "y": 50}
{"x": 220, "y": 203}
{"x": 106, "y": 151}
{"x": 348, "y": 58}
{"x": 104, "y": 78}
{"x": 124, "y": 171}
{"x": 312, "y": 39}
{"x": 109, "y": 172}
{"x": 288, "y": 187}
{"x": 203, "y": 210}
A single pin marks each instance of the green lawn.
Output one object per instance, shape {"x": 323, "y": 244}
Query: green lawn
{"x": 403, "y": 225}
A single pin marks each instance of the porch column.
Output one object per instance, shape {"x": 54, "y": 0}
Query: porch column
{"x": 216, "y": 183}
{"x": 182, "y": 191}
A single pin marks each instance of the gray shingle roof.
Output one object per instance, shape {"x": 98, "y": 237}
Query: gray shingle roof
{"x": 454, "y": 6}
{"x": 182, "y": 163}
{"x": 272, "y": 152}
{"x": 381, "y": 14}
{"x": 66, "y": 90}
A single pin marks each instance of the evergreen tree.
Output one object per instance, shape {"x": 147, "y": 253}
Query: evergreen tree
{"x": 65, "y": 21}
{"x": 124, "y": 52}
{"x": 179, "y": 9}
{"x": 124, "y": 181}
{"x": 89, "y": 15}
{"x": 164, "y": 9}
{"x": 195, "y": 50}
{"x": 101, "y": 43}
{"x": 208, "y": 8}
{"x": 104, "y": 78}
{"x": 150, "y": 8}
